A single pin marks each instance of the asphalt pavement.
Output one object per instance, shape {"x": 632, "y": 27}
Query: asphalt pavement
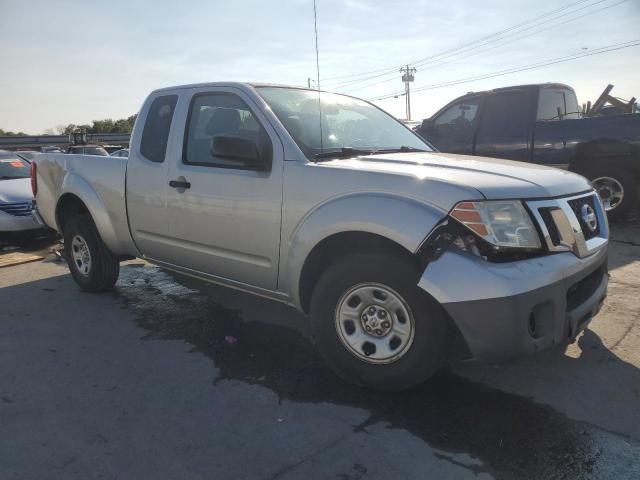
{"x": 169, "y": 377}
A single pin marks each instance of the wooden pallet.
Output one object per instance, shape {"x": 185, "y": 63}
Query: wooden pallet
{"x": 11, "y": 259}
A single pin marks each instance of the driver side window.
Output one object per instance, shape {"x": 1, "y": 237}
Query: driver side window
{"x": 454, "y": 128}
{"x": 458, "y": 115}
{"x": 214, "y": 114}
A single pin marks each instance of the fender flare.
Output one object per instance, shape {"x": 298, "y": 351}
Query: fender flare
{"x": 403, "y": 220}
{"x": 75, "y": 185}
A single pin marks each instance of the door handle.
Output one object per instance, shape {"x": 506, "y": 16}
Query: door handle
{"x": 179, "y": 184}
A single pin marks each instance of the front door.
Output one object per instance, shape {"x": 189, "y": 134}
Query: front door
{"x": 224, "y": 216}
{"x": 506, "y": 126}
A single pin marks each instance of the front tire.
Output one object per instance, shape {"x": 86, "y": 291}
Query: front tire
{"x": 91, "y": 263}
{"x": 373, "y": 326}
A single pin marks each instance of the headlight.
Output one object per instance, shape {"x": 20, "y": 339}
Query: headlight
{"x": 503, "y": 223}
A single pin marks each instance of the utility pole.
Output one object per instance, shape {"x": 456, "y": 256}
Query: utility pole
{"x": 407, "y": 78}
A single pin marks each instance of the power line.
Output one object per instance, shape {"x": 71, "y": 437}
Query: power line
{"x": 438, "y": 57}
{"x": 606, "y": 49}
{"x": 598, "y": 51}
{"x": 459, "y": 47}
{"x": 438, "y": 63}
{"x": 436, "y": 60}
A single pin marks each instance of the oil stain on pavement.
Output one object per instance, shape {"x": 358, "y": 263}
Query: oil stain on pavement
{"x": 512, "y": 436}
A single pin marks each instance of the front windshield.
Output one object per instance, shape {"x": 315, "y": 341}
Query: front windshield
{"x": 13, "y": 167}
{"x": 346, "y": 122}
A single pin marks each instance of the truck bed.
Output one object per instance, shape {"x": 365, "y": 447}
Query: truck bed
{"x": 101, "y": 181}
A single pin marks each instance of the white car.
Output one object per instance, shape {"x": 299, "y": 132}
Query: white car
{"x": 123, "y": 152}
{"x": 16, "y": 197}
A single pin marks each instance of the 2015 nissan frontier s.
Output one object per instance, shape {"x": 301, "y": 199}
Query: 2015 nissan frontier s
{"x": 397, "y": 252}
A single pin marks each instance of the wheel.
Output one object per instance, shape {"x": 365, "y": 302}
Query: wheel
{"x": 372, "y": 324}
{"x": 617, "y": 187}
{"x": 91, "y": 263}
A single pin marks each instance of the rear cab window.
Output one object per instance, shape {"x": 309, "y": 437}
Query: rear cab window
{"x": 156, "y": 128}
{"x": 557, "y": 103}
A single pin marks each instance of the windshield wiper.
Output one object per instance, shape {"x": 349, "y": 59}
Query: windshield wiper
{"x": 10, "y": 177}
{"x": 402, "y": 149}
{"x": 349, "y": 152}
{"x": 344, "y": 152}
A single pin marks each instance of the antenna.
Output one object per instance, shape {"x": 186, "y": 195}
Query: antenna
{"x": 315, "y": 26}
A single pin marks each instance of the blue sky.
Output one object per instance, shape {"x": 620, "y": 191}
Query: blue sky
{"x": 71, "y": 61}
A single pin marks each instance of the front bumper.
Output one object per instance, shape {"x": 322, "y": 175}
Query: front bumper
{"x": 506, "y": 310}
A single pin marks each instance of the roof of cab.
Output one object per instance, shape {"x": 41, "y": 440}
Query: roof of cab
{"x": 516, "y": 87}
{"x": 230, "y": 84}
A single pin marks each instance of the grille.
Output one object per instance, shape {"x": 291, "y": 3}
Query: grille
{"x": 562, "y": 227}
{"x": 576, "y": 205}
{"x": 554, "y": 235}
{"x": 18, "y": 209}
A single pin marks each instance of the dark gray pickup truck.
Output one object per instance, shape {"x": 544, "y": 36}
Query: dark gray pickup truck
{"x": 543, "y": 124}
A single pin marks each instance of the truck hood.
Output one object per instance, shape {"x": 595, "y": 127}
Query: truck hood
{"x": 16, "y": 190}
{"x": 493, "y": 178}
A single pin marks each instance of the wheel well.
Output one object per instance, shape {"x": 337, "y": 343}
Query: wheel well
{"x": 69, "y": 205}
{"x": 339, "y": 245}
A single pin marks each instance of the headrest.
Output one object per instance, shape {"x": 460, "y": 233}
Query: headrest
{"x": 224, "y": 120}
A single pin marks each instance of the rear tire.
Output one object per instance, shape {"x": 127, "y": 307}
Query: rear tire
{"x": 611, "y": 182}
{"x": 342, "y": 300}
{"x": 91, "y": 263}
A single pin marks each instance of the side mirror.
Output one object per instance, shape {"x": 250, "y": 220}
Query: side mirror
{"x": 242, "y": 149}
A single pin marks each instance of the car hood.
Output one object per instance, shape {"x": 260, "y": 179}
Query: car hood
{"x": 16, "y": 190}
{"x": 493, "y": 178}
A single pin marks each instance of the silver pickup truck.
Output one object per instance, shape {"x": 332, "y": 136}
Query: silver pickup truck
{"x": 401, "y": 256}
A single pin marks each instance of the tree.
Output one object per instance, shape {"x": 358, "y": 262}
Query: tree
{"x": 66, "y": 129}
{"x": 107, "y": 125}
{"x": 9, "y": 133}
{"x": 121, "y": 126}
{"x": 101, "y": 126}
